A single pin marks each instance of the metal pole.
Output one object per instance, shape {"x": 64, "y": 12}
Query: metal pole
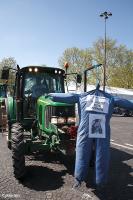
{"x": 106, "y": 16}
{"x": 104, "y": 76}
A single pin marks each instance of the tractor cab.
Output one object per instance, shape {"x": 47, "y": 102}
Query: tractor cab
{"x": 38, "y": 81}
{"x": 33, "y": 82}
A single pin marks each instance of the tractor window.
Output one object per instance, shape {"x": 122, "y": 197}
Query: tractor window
{"x": 38, "y": 84}
{"x": 2, "y": 91}
{"x": 54, "y": 83}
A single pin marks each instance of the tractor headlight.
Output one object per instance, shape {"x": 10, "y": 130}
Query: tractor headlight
{"x": 58, "y": 120}
{"x": 54, "y": 120}
{"x": 36, "y": 69}
{"x": 30, "y": 69}
{"x": 71, "y": 120}
{"x": 61, "y": 120}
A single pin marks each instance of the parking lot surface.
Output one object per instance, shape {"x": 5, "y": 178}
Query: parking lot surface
{"x": 50, "y": 177}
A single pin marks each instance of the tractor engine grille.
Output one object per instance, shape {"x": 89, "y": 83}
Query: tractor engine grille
{"x": 62, "y": 112}
{"x": 48, "y": 115}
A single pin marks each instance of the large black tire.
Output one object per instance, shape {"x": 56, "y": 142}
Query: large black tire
{"x": 18, "y": 157}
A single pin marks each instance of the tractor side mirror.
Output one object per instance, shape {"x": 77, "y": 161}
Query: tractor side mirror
{"x": 5, "y": 74}
{"x": 79, "y": 78}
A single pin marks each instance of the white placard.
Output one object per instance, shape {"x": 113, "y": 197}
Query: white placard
{"x": 97, "y": 104}
{"x": 97, "y": 126}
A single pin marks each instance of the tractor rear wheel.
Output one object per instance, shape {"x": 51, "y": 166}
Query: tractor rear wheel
{"x": 18, "y": 157}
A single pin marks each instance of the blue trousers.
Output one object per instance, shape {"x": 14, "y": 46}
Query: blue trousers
{"x": 83, "y": 155}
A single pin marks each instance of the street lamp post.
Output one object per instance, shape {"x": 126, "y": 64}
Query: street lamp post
{"x": 105, "y": 15}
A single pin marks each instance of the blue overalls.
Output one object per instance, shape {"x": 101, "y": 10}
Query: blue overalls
{"x": 95, "y": 109}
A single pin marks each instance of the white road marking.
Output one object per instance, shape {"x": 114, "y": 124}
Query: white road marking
{"x": 112, "y": 140}
{"x": 129, "y": 144}
{"x": 120, "y": 145}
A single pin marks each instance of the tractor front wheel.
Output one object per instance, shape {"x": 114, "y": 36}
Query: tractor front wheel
{"x": 18, "y": 157}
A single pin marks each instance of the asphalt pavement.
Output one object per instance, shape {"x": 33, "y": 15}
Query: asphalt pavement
{"x": 50, "y": 177}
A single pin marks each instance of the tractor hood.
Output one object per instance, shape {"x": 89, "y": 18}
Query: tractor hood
{"x": 57, "y": 113}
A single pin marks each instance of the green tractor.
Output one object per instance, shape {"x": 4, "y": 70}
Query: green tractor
{"x": 35, "y": 122}
{"x": 3, "y": 116}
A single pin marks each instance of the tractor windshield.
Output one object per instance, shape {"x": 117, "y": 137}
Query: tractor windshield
{"x": 42, "y": 83}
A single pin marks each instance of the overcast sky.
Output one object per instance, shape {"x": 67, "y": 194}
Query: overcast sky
{"x": 37, "y": 32}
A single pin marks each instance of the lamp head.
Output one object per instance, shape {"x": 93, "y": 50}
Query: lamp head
{"x": 109, "y": 14}
{"x": 106, "y": 14}
{"x": 101, "y": 15}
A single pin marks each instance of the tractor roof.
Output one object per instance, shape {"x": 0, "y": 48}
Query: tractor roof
{"x": 42, "y": 68}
